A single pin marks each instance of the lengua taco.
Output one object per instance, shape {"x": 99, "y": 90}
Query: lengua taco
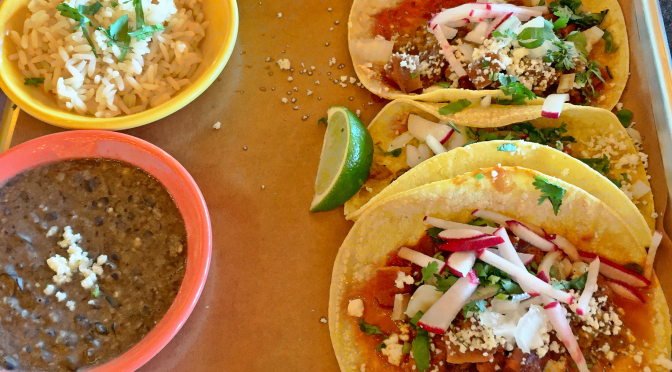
{"x": 422, "y": 284}
{"x": 439, "y": 50}
{"x": 610, "y": 167}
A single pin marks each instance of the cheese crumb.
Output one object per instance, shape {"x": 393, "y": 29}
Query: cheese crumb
{"x": 70, "y": 305}
{"x": 217, "y": 125}
{"x": 283, "y": 63}
{"x": 60, "y": 296}
{"x": 356, "y": 308}
{"x": 279, "y": 15}
{"x": 403, "y": 279}
{"x": 393, "y": 349}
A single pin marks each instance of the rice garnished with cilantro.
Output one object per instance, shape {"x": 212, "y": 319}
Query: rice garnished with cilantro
{"x": 110, "y": 57}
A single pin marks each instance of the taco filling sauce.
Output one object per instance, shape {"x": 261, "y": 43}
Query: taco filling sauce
{"x": 499, "y": 327}
{"x": 526, "y": 51}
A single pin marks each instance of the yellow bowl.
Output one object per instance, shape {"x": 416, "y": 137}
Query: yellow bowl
{"x": 216, "y": 47}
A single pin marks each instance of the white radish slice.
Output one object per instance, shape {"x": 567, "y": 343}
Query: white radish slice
{"x": 422, "y": 299}
{"x": 526, "y": 258}
{"x": 424, "y": 152}
{"x": 496, "y": 23}
{"x": 655, "y": 242}
{"x": 508, "y": 252}
{"x": 419, "y": 259}
{"x": 538, "y": 300}
{"x": 461, "y": 234}
{"x": 450, "y": 225}
{"x": 420, "y": 128}
{"x": 552, "y": 107}
{"x": 590, "y": 288}
{"x": 566, "y": 83}
{"x": 615, "y": 271}
{"x": 484, "y": 13}
{"x": 448, "y": 16}
{"x": 400, "y": 303}
{"x": 467, "y": 50}
{"x": 449, "y": 32}
{"x": 483, "y": 293}
{"x": 460, "y": 263}
{"x": 525, "y": 233}
{"x": 511, "y": 23}
{"x": 501, "y": 219}
{"x": 517, "y": 10}
{"x": 448, "y": 52}
{"x": 556, "y": 314}
{"x": 457, "y": 24}
{"x": 625, "y": 291}
{"x": 434, "y": 145}
{"x": 376, "y": 50}
{"x": 544, "y": 270}
{"x": 478, "y": 34}
{"x": 443, "y": 312}
{"x": 639, "y": 189}
{"x": 539, "y": 8}
{"x": 462, "y": 245}
{"x": 504, "y": 306}
{"x": 525, "y": 278}
{"x": 567, "y": 247}
{"x": 457, "y": 139}
{"x": 528, "y": 336}
{"x": 412, "y": 156}
{"x": 400, "y": 141}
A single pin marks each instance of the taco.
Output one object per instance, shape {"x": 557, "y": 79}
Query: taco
{"x": 420, "y": 284}
{"x": 610, "y": 167}
{"x": 450, "y": 49}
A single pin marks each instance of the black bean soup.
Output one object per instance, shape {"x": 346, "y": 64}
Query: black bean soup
{"x": 93, "y": 255}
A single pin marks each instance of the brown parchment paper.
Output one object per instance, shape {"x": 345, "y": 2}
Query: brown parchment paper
{"x": 268, "y": 284}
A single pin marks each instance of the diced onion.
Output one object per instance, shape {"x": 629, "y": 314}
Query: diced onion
{"x": 639, "y": 189}
{"x": 434, "y": 144}
{"x": 400, "y": 141}
{"x": 566, "y": 83}
{"x": 478, "y": 34}
{"x": 376, "y": 50}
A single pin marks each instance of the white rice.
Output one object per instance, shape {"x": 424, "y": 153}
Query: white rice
{"x": 152, "y": 72}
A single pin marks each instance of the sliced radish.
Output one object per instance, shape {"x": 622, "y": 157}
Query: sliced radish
{"x": 501, "y": 219}
{"x": 400, "y": 303}
{"x": 557, "y": 315}
{"x": 400, "y": 141}
{"x": 449, "y": 32}
{"x": 448, "y": 52}
{"x": 483, "y": 293}
{"x": 376, "y": 50}
{"x": 420, "y": 128}
{"x": 454, "y": 14}
{"x": 538, "y": 300}
{"x": 461, "y": 234}
{"x": 450, "y": 225}
{"x": 496, "y": 23}
{"x": 412, "y": 156}
{"x": 517, "y": 10}
{"x": 526, "y": 258}
{"x": 552, "y": 107}
{"x": 524, "y": 278}
{"x": 461, "y": 245}
{"x": 525, "y": 233}
{"x": 565, "y": 83}
{"x": 460, "y": 263}
{"x": 655, "y": 242}
{"x": 528, "y": 331}
{"x": 467, "y": 50}
{"x": 443, "y": 312}
{"x": 434, "y": 145}
{"x": 615, "y": 271}
{"x": 422, "y": 299}
{"x": 639, "y": 189}
{"x": 626, "y": 291}
{"x": 458, "y": 139}
{"x": 567, "y": 247}
{"x": 590, "y": 288}
{"x": 508, "y": 252}
{"x": 479, "y": 33}
{"x": 544, "y": 271}
{"x": 511, "y": 23}
{"x": 457, "y": 24}
{"x": 419, "y": 259}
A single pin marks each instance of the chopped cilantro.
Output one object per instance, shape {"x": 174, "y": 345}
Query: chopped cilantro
{"x": 406, "y": 349}
{"x": 33, "y": 81}
{"x": 443, "y": 84}
{"x": 420, "y": 347}
{"x": 511, "y": 287}
{"x": 478, "y": 221}
{"x": 474, "y": 307}
{"x": 90, "y": 9}
{"x": 114, "y": 4}
{"x": 454, "y": 107}
{"x": 551, "y": 191}
{"x": 485, "y": 64}
{"x": 508, "y": 147}
{"x": 394, "y": 153}
{"x": 609, "y": 72}
{"x": 452, "y": 125}
{"x": 415, "y": 75}
{"x": 142, "y": 33}
{"x": 526, "y": 131}
{"x": 428, "y": 271}
{"x": 139, "y": 14}
{"x": 479, "y": 176}
{"x": 534, "y": 37}
{"x": 625, "y": 117}
{"x": 369, "y": 329}
{"x": 554, "y": 273}
{"x": 570, "y": 9}
{"x": 416, "y": 317}
{"x": 444, "y": 284}
{"x": 576, "y": 284}
{"x": 599, "y": 164}
{"x": 96, "y": 291}
{"x": 78, "y": 15}
{"x": 323, "y": 121}
{"x": 609, "y": 46}
{"x": 439, "y": 256}
{"x": 381, "y": 345}
{"x": 562, "y": 58}
{"x": 617, "y": 182}
{"x": 580, "y": 42}
{"x": 434, "y": 233}
{"x": 512, "y": 87}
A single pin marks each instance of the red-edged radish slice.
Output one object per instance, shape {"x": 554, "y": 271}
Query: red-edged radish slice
{"x": 448, "y": 52}
{"x": 461, "y": 245}
{"x": 517, "y": 10}
{"x": 615, "y": 271}
{"x": 525, "y": 233}
{"x": 557, "y": 316}
{"x": 496, "y": 23}
{"x": 565, "y": 83}
{"x": 422, "y": 299}
{"x": 400, "y": 141}
{"x": 460, "y": 263}
{"x": 508, "y": 252}
{"x": 420, "y": 128}
{"x": 443, "y": 312}
{"x": 450, "y": 16}
{"x": 567, "y": 247}
{"x": 544, "y": 270}
{"x": 483, "y": 293}
{"x": 400, "y": 304}
{"x": 461, "y": 234}
{"x": 479, "y": 33}
{"x": 450, "y": 225}
{"x": 458, "y": 138}
{"x": 655, "y": 242}
{"x": 501, "y": 219}
{"x": 625, "y": 291}
{"x": 552, "y": 107}
{"x": 523, "y": 277}
{"x": 590, "y": 288}
{"x": 434, "y": 145}
{"x": 419, "y": 259}
{"x": 526, "y": 258}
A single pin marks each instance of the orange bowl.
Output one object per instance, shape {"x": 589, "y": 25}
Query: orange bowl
{"x": 178, "y": 182}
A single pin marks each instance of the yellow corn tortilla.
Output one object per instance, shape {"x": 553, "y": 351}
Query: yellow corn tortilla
{"x": 398, "y": 221}
{"x": 585, "y": 124}
{"x": 361, "y": 24}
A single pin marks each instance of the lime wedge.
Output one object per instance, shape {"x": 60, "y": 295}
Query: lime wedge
{"x": 347, "y": 152}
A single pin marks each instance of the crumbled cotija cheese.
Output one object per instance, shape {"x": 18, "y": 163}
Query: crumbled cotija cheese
{"x": 393, "y": 349}
{"x": 77, "y": 261}
{"x": 403, "y": 279}
{"x": 356, "y": 308}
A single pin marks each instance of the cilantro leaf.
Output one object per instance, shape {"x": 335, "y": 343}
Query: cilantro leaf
{"x": 142, "y": 33}
{"x": 90, "y": 9}
{"x": 139, "y": 14}
{"x": 570, "y": 9}
{"x": 479, "y": 176}
{"x": 617, "y": 182}
{"x": 76, "y": 14}
{"x": 421, "y": 350}
{"x": 580, "y": 42}
{"x": 381, "y": 345}
{"x": 444, "y": 284}
{"x": 96, "y": 291}
{"x": 454, "y": 107}
{"x": 394, "y": 153}
{"x": 510, "y": 86}
{"x": 434, "y": 233}
{"x": 428, "y": 271}
{"x": 406, "y": 348}
{"x": 322, "y": 121}
{"x": 609, "y": 46}
{"x": 452, "y": 125}
{"x": 511, "y": 287}
{"x": 534, "y": 37}
{"x": 577, "y": 284}
{"x": 625, "y": 117}
{"x": 33, "y": 81}
{"x": 601, "y": 165}
{"x": 551, "y": 191}
{"x": 508, "y": 147}
{"x": 415, "y": 319}
{"x": 474, "y": 307}
{"x": 369, "y": 329}
{"x": 562, "y": 58}
{"x": 479, "y": 221}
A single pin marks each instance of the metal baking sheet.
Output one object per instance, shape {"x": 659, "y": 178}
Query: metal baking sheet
{"x": 269, "y": 281}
